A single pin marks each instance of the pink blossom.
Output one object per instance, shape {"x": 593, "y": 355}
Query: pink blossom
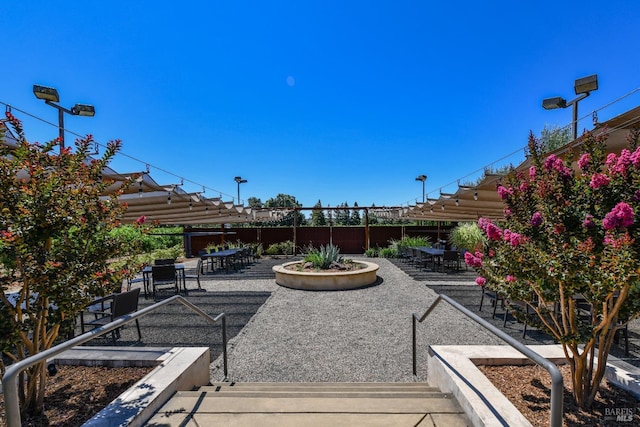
{"x": 532, "y": 172}
{"x": 635, "y": 157}
{"x": 480, "y": 281}
{"x": 504, "y": 192}
{"x": 599, "y": 180}
{"x": 141, "y": 220}
{"x": 507, "y": 212}
{"x": 555, "y": 163}
{"x": 524, "y": 186}
{"x": 584, "y": 161}
{"x": 612, "y": 158}
{"x": 515, "y": 239}
{"x": 493, "y": 232}
{"x": 620, "y": 216}
{"x": 473, "y": 260}
{"x": 536, "y": 219}
{"x": 588, "y": 221}
{"x": 623, "y": 163}
{"x": 510, "y": 278}
{"x": 482, "y": 223}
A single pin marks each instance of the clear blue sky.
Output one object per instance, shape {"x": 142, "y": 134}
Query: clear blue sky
{"x": 338, "y": 101}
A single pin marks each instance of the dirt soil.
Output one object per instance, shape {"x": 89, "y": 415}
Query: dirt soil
{"x": 76, "y": 393}
{"x": 529, "y": 389}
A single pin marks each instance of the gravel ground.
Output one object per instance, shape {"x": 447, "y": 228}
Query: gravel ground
{"x": 356, "y": 335}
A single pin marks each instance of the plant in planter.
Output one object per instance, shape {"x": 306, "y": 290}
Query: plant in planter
{"x": 467, "y": 236}
{"x": 569, "y": 248}
{"x": 323, "y": 258}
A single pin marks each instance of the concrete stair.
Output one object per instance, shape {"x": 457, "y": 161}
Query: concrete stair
{"x": 311, "y": 404}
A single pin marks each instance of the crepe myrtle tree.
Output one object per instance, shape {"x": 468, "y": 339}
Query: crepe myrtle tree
{"x": 570, "y": 229}
{"x": 55, "y": 247}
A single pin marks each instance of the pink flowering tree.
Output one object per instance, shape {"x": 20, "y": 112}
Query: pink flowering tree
{"x": 55, "y": 247}
{"x": 568, "y": 246}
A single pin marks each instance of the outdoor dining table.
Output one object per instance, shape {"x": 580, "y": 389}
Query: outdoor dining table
{"x": 435, "y": 254}
{"x": 223, "y": 256}
{"x": 146, "y": 277}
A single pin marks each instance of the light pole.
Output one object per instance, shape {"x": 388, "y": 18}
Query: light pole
{"x": 239, "y": 180}
{"x": 50, "y": 96}
{"x": 422, "y": 178}
{"x": 582, "y": 87}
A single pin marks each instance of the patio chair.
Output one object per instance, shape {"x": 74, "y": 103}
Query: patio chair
{"x": 517, "y": 307}
{"x": 199, "y": 271}
{"x": 494, "y": 297}
{"x": 451, "y": 259}
{"x": 164, "y": 261}
{"x": 164, "y": 277}
{"x": 121, "y": 304}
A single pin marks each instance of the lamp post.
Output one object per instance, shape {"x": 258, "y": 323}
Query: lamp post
{"x": 50, "y": 96}
{"x": 582, "y": 88}
{"x": 422, "y": 178}
{"x": 239, "y": 180}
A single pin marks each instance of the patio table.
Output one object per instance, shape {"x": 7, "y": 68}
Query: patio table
{"x": 223, "y": 256}
{"x": 434, "y": 253}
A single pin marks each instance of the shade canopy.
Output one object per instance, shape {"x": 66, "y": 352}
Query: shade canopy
{"x": 469, "y": 203}
{"x": 172, "y": 205}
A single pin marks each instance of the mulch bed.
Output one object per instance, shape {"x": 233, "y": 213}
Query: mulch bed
{"x": 76, "y": 393}
{"x": 529, "y": 389}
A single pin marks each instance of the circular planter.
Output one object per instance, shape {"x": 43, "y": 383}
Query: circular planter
{"x": 326, "y": 280}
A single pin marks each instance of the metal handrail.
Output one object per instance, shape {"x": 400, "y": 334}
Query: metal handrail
{"x": 10, "y": 378}
{"x": 554, "y": 372}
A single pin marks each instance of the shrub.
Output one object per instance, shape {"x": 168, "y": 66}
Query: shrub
{"x": 371, "y": 252}
{"x": 467, "y": 236}
{"x": 388, "y": 253}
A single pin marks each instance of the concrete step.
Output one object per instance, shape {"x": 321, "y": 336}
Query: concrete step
{"x": 320, "y": 386}
{"x": 311, "y": 404}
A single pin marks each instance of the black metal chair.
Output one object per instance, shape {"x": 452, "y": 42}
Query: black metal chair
{"x": 199, "y": 271}
{"x": 451, "y": 259}
{"x": 121, "y": 304}
{"x": 164, "y": 277}
{"x": 494, "y": 297}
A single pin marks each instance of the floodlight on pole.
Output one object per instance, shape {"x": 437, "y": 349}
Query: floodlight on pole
{"x": 422, "y": 178}
{"x": 50, "y": 96}
{"x": 239, "y": 180}
{"x": 582, "y": 87}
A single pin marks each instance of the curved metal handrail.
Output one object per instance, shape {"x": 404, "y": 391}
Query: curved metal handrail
{"x": 10, "y": 378}
{"x": 554, "y": 372}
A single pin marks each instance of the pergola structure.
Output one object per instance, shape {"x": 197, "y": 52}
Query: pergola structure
{"x": 170, "y": 204}
{"x": 468, "y": 203}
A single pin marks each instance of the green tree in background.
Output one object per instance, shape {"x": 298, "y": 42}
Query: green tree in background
{"x": 286, "y": 201}
{"x": 355, "y": 215}
{"x": 317, "y": 216}
{"x": 554, "y": 137}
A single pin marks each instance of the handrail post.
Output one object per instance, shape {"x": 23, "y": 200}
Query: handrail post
{"x": 557, "y": 387}
{"x": 224, "y": 347}
{"x": 413, "y": 324}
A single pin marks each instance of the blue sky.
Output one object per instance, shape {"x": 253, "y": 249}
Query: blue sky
{"x": 330, "y": 100}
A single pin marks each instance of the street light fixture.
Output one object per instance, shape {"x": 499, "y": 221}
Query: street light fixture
{"x": 50, "y": 96}
{"x": 422, "y": 178}
{"x": 582, "y": 87}
{"x": 239, "y": 180}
